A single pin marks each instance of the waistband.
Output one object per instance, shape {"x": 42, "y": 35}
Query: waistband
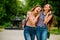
{"x": 30, "y": 27}
{"x": 42, "y": 26}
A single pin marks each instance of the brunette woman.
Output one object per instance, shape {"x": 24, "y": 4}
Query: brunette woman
{"x": 44, "y": 19}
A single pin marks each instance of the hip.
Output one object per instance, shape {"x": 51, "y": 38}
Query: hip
{"x": 41, "y": 28}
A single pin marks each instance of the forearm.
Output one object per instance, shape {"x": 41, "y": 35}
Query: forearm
{"x": 47, "y": 19}
{"x": 35, "y": 19}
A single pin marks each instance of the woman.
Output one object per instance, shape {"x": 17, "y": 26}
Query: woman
{"x": 31, "y": 20}
{"x": 44, "y": 20}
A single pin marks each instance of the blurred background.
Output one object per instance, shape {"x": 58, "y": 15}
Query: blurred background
{"x": 13, "y": 13}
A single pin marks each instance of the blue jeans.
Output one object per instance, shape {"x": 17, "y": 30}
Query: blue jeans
{"x": 41, "y": 33}
{"x": 29, "y": 33}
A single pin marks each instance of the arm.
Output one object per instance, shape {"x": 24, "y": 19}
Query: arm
{"x": 27, "y": 16}
{"x": 33, "y": 19}
{"x": 36, "y": 18}
{"x": 47, "y": 18}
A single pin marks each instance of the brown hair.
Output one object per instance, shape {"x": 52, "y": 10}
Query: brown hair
{"x": 53, "y": 19}
{"x": 34, "y": 9}
{"x": 52, "y": 22}
{"x": 49, "y": 7}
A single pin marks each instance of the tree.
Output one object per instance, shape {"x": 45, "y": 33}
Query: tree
{"x": 8, "y": 10}
{"x": 56, "y": 9}
{"x": 31, "y": 3}
{"x": 55, "y": 6}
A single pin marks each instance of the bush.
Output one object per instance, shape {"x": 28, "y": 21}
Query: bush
{"x": 6, "y": 25}
{"x": 55, "y": 31}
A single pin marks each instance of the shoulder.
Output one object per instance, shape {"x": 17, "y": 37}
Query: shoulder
{"x": 29, "y": 13}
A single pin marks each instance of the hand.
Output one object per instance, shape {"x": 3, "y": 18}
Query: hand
{"x": 49, "y": 12}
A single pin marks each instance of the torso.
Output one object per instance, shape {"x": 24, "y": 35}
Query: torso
{"x": 29, "y": 23}
{"x": 41, "y": 20}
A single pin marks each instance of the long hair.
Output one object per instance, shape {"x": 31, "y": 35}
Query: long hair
{"x": 52, "y": 22}
{"x": 34, "y": 8}
{"x": 53, "y": 19}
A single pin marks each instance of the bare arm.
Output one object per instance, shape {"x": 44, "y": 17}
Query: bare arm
{"x": 27, "y": 16}
{"x": 33, "y": 19}
{"x": 47, "y": 18}
{"x": 36, "y": 18}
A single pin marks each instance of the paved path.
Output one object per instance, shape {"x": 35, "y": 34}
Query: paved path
{"x": 18, "y": 35}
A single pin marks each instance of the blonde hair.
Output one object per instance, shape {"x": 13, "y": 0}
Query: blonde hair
{"x": 34, "y": 8}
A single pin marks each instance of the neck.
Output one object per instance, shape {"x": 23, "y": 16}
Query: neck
{"x": 33, "y": 13}
{"x": 45, "y": 12}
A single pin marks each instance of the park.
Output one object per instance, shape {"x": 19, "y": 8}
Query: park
{"x": 13, "y": 13}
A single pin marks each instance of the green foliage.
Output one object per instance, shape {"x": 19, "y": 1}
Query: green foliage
{"x": 56, "y": 9}
{"x": 9, "y": 9}
{"x": 55, "y": 31}
{"x": 6, "y": 25}
{"x": 32, "y": 3}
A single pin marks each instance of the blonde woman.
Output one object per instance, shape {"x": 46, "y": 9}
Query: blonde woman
{"x": 32, "y": 18}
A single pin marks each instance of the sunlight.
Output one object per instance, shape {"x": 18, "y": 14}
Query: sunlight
{"x": 22, "y": 1}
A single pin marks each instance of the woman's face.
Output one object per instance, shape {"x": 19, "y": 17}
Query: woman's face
{"x": 37, "y": 10}
{"x": 47, "y": 7}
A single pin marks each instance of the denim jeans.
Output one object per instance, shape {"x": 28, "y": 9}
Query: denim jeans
{"x": 29, "y": 33}
{"x": 41, "y": 33}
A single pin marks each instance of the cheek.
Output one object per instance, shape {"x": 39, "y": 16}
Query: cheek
{"x": 38, "y": 10}
{"x": 46, "y": 9}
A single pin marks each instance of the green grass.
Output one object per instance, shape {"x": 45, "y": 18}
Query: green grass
{"x": 1, "y": 30}
{"x": 55, "y": 31}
